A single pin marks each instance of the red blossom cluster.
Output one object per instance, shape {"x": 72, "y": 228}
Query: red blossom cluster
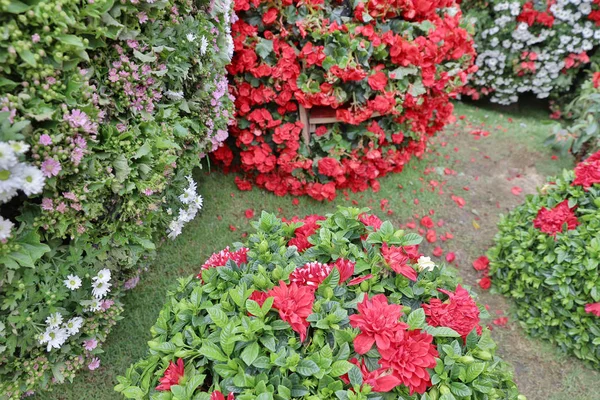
{"x": 220, "y": 259}
{"x": 460, "y": 312}
{"x": 390, "y": 91}
{"x": 302, "y": 233}
{"x": 531, "y": 16}
{"x": 482, "y": 264}
{"x": 551, "y": 221}
{"x": 587, "y": 172}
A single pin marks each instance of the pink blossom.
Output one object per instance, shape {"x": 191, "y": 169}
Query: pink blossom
{"x": 51, "y": 167}
{"x": 142, "y": 17}
{"x": 90, "y": 344}
{"x": 106, "y": 304}
{"x": 45, "y": 140}
{"x": 61, "y": 208}
{"x": 94, "y": 364}
{"x": 35, "y": 38}
{"x": 47, "y": 204}
{"x": 70, "y": 196}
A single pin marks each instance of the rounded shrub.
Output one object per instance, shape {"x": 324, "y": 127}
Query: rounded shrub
{"x": 381, "y": 73}
{"x": 342, "y": 307}
{"x": 546, "y": 256}
{"x": 105, "y": 108}
{"x": 531, "y": 46}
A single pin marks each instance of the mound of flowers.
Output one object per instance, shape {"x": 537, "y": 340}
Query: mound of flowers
{"x": 530, "y": 46}
{"x": 384, "y": 71}
{"x": 546, "y": 256}
{"x": 357, "y": 314}
{"x": 105, "y": 108}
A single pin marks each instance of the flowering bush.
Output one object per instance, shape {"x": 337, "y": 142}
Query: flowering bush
{"x": 105, "y": 108}
{"x": 532, "y": 46}
{"x": 388, "y": 70}
{"x": 341, "y": 319}
{"x": 546, "y": 257}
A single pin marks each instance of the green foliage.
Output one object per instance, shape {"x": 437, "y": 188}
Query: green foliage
{"x": 552, "y": 279}
{"x": 240, "y": 347}
{"x": 124, "y": 96}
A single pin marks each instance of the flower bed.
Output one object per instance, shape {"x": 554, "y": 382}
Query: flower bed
{"x": 546, "y": 257}
{"x": 342, "y": 307}
{"x": 534, "y": 47}
{"x": 105, "y": 108}
{"x": 384, "y": 70}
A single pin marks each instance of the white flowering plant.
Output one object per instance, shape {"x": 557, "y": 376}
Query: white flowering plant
{"x": 105, "y": 107}
{"x": 531, "y": 46}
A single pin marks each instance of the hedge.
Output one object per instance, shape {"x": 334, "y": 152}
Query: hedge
{"x": 546, "y": 257}
{"x": 105, "y": 108}
{"x": 342, "y": 307}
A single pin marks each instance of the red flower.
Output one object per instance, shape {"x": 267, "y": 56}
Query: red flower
{"x": 427, "y": 222}
{"x": 409, "y": 355}
{"x": 377, "y": 321}
{"x": 270, "y": 16}
{"x": 381, "y": 380}
{"x": 485, "y": 283}
{"x": 345, "y": 268}
{"x": 330, "y": 167}
{"x": 311, "y": 274}
{"x": 378, "y": 81}
{"x": 220, "y": 259}
{"x": 593, "y": 308}
{"x": 596, "y": 79}
{"x": 359, "y": 279}
{"x": 301, "y": 234}
{"x": 481, "y": 264}
{"x": 259, "y": 297}
{"x": 242, "y": 184}
{"x": 460, "y": 312}
{"x": 249, "y": 213}
{"x": 397, "y": 259}
{"x": 371, "y": 220}
{"x": 587, "y": 172}
{"x": 172, "y": 375}
{"x": 216, "y": 395}
{"x": 551, "y": 221}
{"x": 294, "y": 304}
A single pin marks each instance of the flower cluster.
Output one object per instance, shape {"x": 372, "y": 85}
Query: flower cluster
{"x": 386, "y": 74}
{"x": 105, "y": 108}
{"x": 546, "y": 256}
{"x": 269, "y": 311}
{"x": 192, "y": 202}
{"x": 536, "y": 47}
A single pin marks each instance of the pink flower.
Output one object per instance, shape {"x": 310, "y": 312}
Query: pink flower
{"x": 47, "y": 204}
{"x": 106, "y": 304}
{"x": 51, "y": 167}
{"x": 172, "y": 375}
{"x": 311, "y": 274}
{"x": 294, "y": 304}
{"x": 359, "y": 279}
{"x": 35, "y": 38}
{"x": 142, "y": 17}
{"x": 90, "y": 344}
{"x": 94, "y": 364}
{"x": 345, "y": 268}
{"x": 45, "y": 140}
{"x": 593, "y": 308}
{"x": 398, "y": 259}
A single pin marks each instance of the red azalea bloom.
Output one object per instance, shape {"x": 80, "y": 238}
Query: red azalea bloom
{"x": 301, "y": 234}
{"x": 409, "y": 355}
{"x": 345, "y": 268}
{"x": 172, "y": 375}
{"x": 216, "y": 395}
{"x": 397, "y": 259}
{"x": 481, "y": 264}
{"x": 460, "y": 312}
{"x": 294, "y": 304}
{"x": 381, "y": 380}
{"x": 371, "y": 220}
{"x": 359, "y": 279}
{"x": 377, "y": 321}
{"x": 551, "y": 221}
{"x": 587, "y": 172}
{"x": 593, "y": 308}
{"x": 311, "y": 274}
{"x": 220, "y": 259}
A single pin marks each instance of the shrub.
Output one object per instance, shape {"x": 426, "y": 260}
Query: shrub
{"x": 532, "y": 46}
{"x": 546, "y": 257}
{"x": 385, "y": 69}
{"x": 105, "y": 107}
{"x": 357, "y": 314}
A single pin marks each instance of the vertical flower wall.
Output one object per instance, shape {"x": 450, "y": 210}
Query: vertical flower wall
{"x": 105, "y": 108}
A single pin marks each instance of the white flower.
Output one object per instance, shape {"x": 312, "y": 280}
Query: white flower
{"x": 72, "y": 282}
{"x": 102, "y": 276}
{"x": 5, "y": 228}
{"x": 203, "y": 46}
{"x": 55, "y": 337}
{"x": 19, "y": 147}
{"x": 32, "y": 179}
{"x": 73, "y": 325}
{"x": 6, "y": 196}
{"x": 54, "y": 320}
{"x": 100, "y": 289}
{"x": 425, "y": 264}
{"x": 175, "y": 96}
{"x": 190, "y": 37}
{"x": 91, "y": 305}
{"x": 199, "y": 201}
{"x": 8, "y": 157}
{"x": 175, "y": 229}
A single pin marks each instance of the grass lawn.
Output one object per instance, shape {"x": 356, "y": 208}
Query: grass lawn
{"x": 483, "y": 170}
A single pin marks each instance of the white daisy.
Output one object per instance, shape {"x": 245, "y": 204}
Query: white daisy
{"x": 6, "y": 196}
{"x": 103, "y": 275}
{"x": 73, "y": 325}
{"x": 5, "y": 228}
{"x": 190, "y": 37}
{"x": 19, "y": 147}
{"x": 100, "y": 289}
{"x": 10, "y": 178}
{"x": 203, "y": 46}
{"x": 199, "y": 201}
{"x": 175, "y": 229}
{"x": 33, "y": 180}
{"x": 175, "y": 96}
{"x": 72, "y": 282}
{"x": 54, "y": 320}
{"x": 55, "y": 337}
{"x": 8, "y": 157}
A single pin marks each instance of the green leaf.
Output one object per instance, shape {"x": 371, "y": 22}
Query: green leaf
{"x": 250, "y": 353}
{"x": 411, "y": 239}
{"x": 122, "y": 169}
{"x": 340, "y": 367}
{"x": 147, "y": 58}
{"x": 264, "y": 48}
{"x": 71, "y": 40}
{"x": 474, "y": 370}
{"x": 218, "y": 316}
{"x": 28, "y": 57}
{"x": 133, "y": 392}
{"x": 16, "y": 7}
{"x": 307, "y": 367}
{"x": 460, "y": 389}
{"x": 253, "y": 308}
{"x": 355, "y": 376}
{"x": 441, "y": 331}
{"x": 213, "y": 352}
{"x": 416, "y": 319}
